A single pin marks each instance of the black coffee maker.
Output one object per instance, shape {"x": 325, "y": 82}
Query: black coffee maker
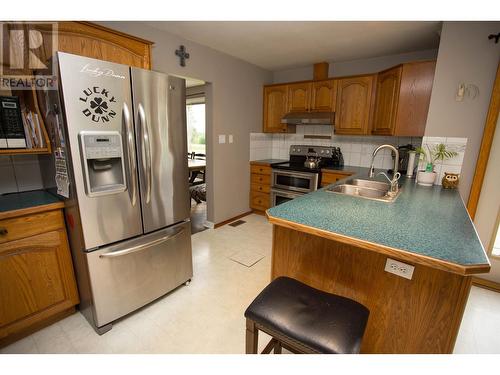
{"x": 403, "y": 158}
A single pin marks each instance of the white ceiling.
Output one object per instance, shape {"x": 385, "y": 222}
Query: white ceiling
{"x": 281, "y": 45}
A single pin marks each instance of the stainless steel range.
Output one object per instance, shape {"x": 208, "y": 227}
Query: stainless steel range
{"x": 302, "y": 173}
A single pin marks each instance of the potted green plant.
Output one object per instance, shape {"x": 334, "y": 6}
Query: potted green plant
{"x": 431, "y": 156}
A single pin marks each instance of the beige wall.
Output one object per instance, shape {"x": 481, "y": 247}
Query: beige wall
{"x": 465, "y": 55}
{"x": 353, "y": 67}
{"x": 235, "y": 96}
{"x": 489, "y": 204}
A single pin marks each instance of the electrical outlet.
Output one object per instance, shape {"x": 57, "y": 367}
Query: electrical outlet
{"x": 399, "y": 268}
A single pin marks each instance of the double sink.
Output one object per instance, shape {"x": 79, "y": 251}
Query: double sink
{"x": 375, "y": 190}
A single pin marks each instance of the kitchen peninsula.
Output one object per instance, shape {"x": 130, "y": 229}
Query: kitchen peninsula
{"x": 341, "y": 244}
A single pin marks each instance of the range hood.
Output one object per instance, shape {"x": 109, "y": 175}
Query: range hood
{"x": 309, "y": 118}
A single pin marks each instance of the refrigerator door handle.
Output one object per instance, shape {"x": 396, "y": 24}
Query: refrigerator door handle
{"x": 145, "y": 246}
{"x": 131, "y": 154}
{"x": 146, "y": 145}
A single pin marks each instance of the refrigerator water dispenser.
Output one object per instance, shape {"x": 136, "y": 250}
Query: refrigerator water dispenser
{"x": 103, "y": 164}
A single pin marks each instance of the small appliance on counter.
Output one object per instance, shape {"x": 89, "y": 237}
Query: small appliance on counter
{"x": 11, "y": 123}
{"x": 404, "y": 158}
{"x": 302, "y": 173}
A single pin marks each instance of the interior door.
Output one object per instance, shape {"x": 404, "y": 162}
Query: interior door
{"x": 97, "y": 98}
{"x": 161, "y": 134}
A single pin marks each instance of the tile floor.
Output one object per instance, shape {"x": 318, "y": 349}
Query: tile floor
{"x": 207, "y": 315}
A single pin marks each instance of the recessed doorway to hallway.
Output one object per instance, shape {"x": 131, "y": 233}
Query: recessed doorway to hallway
{"x": 197, "y": 152}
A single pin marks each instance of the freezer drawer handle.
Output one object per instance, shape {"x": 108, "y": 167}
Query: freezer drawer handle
{"x": 141, "y": 247}
{"x": 131, "y": 154}
{"x": 147, "y": 151}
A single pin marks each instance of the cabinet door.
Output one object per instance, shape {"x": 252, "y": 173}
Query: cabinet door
{"x": 36, "y": 280}
{"x": 299, "y": 96}
{"x": 353, "y": 109}
{"x": 99, "y": 42}
{"x": 414, "y": 98}
{"x": 386, "y": 104}
{"x": 324, "y": 94}
{"x": 275, "y": 100}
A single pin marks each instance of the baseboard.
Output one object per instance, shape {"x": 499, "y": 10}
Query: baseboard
{"x": 486, "y": 284}
{"x": 218, "y": 225}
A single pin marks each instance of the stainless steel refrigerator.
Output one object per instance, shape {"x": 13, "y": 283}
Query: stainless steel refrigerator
{"x": 119, "y": 136}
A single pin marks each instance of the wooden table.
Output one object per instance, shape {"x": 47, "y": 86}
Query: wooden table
{"x": 195, "y": 167}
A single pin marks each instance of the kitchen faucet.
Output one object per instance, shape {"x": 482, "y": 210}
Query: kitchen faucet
{"x": 396, "y": 176}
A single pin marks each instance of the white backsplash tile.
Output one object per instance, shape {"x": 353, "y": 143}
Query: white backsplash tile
{"x": 7, "y": 175}
{"x": 357, "y": 150}
{"x": 453, "y": 165}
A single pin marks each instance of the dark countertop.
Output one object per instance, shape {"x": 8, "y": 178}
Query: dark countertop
{"x": 268, "y": 162}
{"x": 427, "y": 224}
{"x": 25, "y": 200}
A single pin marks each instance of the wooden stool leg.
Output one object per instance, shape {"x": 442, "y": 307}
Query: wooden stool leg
{"x": 277, "y": 347}
{"x": 252, "y": 337}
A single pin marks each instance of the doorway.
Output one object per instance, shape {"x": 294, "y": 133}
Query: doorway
{"x": 196, "y": 123}
{"x": 484, "y": 200}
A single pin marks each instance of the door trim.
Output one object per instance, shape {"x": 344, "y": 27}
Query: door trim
{"x": 486, "y": 142}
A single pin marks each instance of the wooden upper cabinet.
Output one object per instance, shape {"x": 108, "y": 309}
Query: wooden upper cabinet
{"x": 388, "y": 83}
{"x": 324, "y": 95}
{"x": 299, "y": 97}
{"x": 99, "y": 42}
{"x": 354, "y": 105}
{"x": 403, "y": 98}
{"x": 275, "y": 107}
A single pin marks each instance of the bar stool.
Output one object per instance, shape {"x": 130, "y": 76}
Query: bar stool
{"x": 303, "y": 319}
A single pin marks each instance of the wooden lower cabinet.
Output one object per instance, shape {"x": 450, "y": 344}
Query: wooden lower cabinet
{"x": 260, "y": 186}
{"x": 37, "y": 282}
{"x": 328, "y": 178}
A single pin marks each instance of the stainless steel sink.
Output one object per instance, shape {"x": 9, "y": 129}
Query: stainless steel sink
{"x": 369, "y": 184}
{"x": 375, "y": 190}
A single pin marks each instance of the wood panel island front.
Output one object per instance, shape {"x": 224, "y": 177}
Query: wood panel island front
{"x": 341, "y": 244}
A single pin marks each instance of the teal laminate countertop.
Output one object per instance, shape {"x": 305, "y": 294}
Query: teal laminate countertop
{"x": 28, "y": 199}
{"x": 429, "y": 222}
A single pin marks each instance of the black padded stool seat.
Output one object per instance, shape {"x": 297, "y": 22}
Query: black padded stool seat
{"x": 307, "y": 319}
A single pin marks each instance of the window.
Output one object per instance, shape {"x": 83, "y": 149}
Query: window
{"x": 195, "y": 113}
{"x": 496, "y": 241}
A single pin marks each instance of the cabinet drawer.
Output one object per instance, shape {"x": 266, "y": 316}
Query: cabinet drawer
{"x": 261, "y": 179}
{"x": 26, "y": 226}
{"x": 260, "y": 169}
{"x": 330, "y": 178}
{"x": 261, "y": 188}
{"x": 259, "y": 201}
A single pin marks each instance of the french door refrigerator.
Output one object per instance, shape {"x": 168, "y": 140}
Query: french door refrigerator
{"x": 120, "y": 142}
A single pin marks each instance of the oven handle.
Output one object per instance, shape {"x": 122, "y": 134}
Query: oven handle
{"x": 309, "y": 175}
{"x": 286, "y": 193}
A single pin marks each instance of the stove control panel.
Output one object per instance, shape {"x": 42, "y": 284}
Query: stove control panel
{"x": 332, "y": 155}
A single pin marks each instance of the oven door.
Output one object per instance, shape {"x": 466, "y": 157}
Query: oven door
{"x": 304, "y": 182}
{"x": 281, "y": 196}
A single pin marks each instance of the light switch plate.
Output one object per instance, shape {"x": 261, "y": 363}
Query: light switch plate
{"x": 399, "y": 268}
{"x": 230, "y": 138}
{"x": 222, "y": 138}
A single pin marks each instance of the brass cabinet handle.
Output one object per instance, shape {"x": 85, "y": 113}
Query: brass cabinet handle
{"x": 3, "y": 231}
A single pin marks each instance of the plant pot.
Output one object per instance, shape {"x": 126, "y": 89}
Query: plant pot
{"x": 426, "y": 178}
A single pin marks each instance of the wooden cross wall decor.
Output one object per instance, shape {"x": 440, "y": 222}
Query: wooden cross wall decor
{"x": 183, "y": 55}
